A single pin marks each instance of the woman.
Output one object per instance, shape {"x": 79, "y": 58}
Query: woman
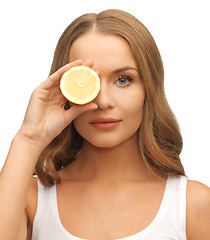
{"x": 109, "y": 169}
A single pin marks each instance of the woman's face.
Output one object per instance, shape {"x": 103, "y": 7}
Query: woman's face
{"x": 122, "y": 94}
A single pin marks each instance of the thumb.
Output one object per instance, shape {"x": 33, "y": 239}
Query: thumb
{"x": 76, "y": 110}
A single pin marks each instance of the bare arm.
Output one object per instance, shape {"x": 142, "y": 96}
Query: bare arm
{"x": 45, "y": 118}
{"x": 15, "y": 179}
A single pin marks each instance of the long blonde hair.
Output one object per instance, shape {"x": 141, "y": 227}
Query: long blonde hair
{"x": 160, "y": 141}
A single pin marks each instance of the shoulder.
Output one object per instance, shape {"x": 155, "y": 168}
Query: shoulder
{"x": 32, "y": 200}
{"x": 198, "y": 196}
{"x": 198, "y": 211}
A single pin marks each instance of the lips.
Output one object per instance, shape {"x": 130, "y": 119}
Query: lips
{"x": 105, "y": 120}
{"x": 105, "y": 123}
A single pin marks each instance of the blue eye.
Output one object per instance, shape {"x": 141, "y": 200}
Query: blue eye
{"x": 124, "y": 80}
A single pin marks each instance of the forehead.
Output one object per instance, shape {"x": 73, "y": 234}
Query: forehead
{"x": 102, "y": 49}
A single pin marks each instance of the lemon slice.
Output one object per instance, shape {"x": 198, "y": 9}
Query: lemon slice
{"x": 80, "y": 84}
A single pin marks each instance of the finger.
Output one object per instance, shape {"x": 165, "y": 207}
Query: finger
{"x": 76, "y": 110}
{"x": 88, "y": 63}
{"x": 55, "y": 77}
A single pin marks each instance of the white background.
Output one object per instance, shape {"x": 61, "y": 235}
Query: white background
{"x": 30, "y": 31}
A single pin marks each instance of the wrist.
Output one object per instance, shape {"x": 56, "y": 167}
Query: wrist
{"x": 29, "y": 141}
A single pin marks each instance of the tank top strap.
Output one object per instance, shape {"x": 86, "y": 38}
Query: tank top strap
{"x": 175, "y": 214}
{"x": 39, "y": 210}
{"x": 44, "y": 214}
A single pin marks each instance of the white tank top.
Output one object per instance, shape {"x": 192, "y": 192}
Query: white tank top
{"x": 168, "y": 224}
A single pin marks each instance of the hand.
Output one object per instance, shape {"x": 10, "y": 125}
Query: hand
{"x": 45, "y": 117}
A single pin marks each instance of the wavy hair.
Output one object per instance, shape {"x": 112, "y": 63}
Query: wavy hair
{"x": 160, "y": 140}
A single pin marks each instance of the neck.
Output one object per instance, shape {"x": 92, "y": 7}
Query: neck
{"x": 122, "y": 162}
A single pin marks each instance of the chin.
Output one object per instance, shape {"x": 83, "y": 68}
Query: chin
{"x": 103, "y": 144}
{"x": 107, "y": 142}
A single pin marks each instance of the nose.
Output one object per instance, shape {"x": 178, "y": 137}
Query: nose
{"x": 104, "y": 99}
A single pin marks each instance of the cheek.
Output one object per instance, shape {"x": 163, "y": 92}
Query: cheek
{"x": 80, "y": 124}
{"x": 133, "y": 117}
{"x": 132, "y": 106}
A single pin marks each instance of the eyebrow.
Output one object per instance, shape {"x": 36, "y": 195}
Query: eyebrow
{"x": 124, "y": 69}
